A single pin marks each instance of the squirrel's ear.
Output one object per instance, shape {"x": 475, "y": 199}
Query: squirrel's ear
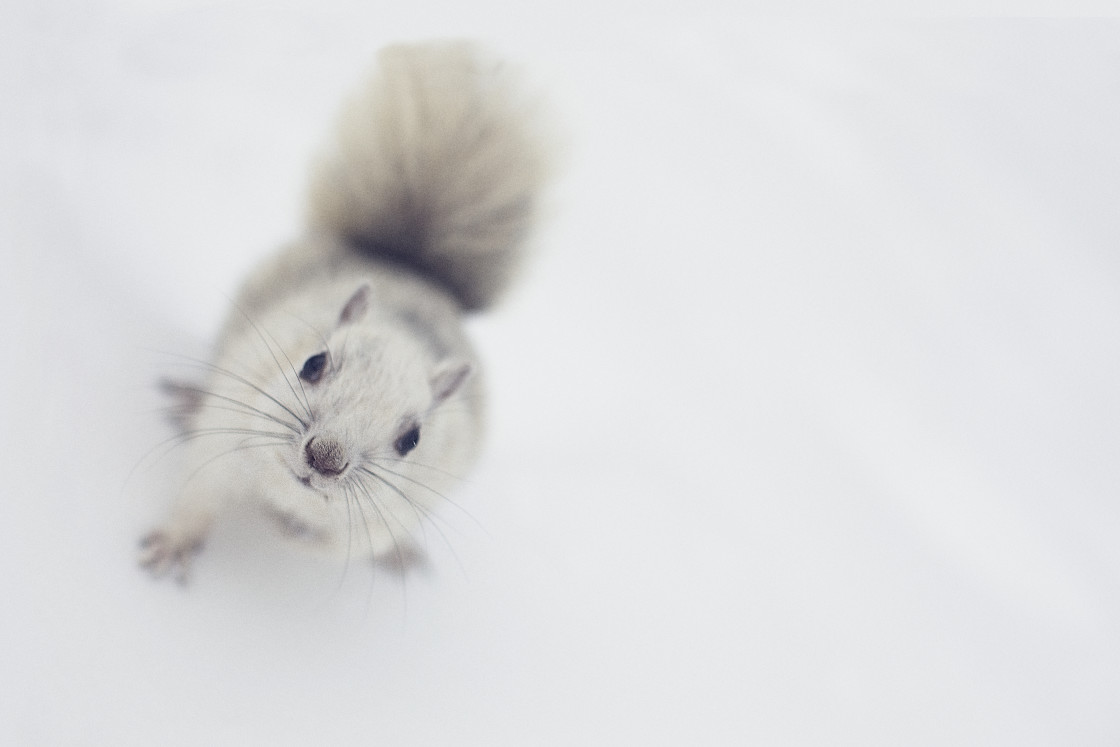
{"x": 356, "y": 307}
{"x": 448, "y": 376}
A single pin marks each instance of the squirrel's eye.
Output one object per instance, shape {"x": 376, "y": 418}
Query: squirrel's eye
{"x": 408, "y": 441}
{"x": 313, "y": 368}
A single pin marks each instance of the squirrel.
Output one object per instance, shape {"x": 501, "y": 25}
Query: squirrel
{"x": 343, "y": 397}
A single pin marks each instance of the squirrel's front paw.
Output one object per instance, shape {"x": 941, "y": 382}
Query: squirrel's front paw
{"x": 164, "y": 553}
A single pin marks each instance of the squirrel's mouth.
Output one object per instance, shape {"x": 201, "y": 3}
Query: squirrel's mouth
{"x": 305, "y": 480}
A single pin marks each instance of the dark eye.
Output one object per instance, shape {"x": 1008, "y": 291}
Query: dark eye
{"x": 313, "y": 368}
{"x": 408, "y": 441}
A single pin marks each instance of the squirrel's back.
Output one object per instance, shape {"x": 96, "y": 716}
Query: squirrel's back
{"x": 435, "y": 166}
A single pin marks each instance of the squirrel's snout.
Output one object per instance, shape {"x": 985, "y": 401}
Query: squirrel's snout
{"x": 325, "y": 455}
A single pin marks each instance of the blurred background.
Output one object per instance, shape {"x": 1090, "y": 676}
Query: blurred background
{"x": 805, "y": 413}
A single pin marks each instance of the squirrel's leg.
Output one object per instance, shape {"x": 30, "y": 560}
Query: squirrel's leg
{"x": 208, "y": 489}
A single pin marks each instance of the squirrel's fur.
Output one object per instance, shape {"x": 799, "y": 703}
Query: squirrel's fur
{"x": 435, "y": 167}
{"x": 347, "y": 345}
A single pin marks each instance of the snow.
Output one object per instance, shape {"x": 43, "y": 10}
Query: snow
{"x": 805, "y": 420}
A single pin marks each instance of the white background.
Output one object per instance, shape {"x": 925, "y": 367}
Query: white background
{"x": 806, "y": 414}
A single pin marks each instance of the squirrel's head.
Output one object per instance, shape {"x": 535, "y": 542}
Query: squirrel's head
{"x": 370, "y": 397}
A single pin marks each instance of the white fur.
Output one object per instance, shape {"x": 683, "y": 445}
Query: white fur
{"x": 417, "y": 216}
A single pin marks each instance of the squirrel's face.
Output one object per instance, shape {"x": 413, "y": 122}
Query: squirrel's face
{"x": 369, "y": 404}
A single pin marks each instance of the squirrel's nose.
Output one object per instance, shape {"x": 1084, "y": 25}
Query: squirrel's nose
{"x": 325, "y": 455}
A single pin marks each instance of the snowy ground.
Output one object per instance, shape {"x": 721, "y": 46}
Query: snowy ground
{"x": 806, "y": 416}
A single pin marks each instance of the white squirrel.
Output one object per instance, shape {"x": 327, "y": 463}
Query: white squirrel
{"x": 343, "y": 397}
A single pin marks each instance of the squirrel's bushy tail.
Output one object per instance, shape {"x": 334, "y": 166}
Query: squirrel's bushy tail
{"x": 437, "y": 166}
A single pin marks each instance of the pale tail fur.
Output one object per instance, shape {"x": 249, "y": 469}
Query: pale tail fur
{"x": 436, "y": 166}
